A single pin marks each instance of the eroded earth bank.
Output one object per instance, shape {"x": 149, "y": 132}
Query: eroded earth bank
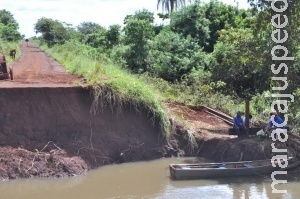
{"x": 64, "y": 135}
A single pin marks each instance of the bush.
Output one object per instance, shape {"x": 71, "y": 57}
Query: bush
{"x": 172, "y": 56}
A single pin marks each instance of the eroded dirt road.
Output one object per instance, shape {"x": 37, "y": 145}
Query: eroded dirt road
{"x": 35, "y": 69}
{"x": 25, "y": 104}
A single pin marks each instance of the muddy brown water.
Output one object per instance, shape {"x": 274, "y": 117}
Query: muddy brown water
{"x": 144, "y": 180}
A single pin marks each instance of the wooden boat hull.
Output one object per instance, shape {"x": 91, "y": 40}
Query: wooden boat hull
{"x": 223, "y": 170}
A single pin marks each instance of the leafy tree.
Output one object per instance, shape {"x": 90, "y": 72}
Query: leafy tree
{"x": 221, "y": 16}
{"x": 96, "y": 39}
{"x": 72, "y": 31}
{"x": 191, "y": 21}
{"x": 113, "y": 35}
{"x": 174, "y": 56}
{"x": 86, "y": 28}
{"x": 9, "y": 27}
{"x": 289, "y": 9}
{"x": 170, "y": 5}
{"x": 7, "y": 18}
{"x": 137, "y": 34}
{"x": 203, "y": 21}
{"x": 140, "y": 15}
{"x": 53, "y": 31}
{"x": 239, "y": 61}
{"x": 92, "y": 34}
{"x": 10, "y": 32}
{"x": 266, "y": 5}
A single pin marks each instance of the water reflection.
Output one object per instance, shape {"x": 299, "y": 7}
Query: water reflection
{"x": 144, "y": 180}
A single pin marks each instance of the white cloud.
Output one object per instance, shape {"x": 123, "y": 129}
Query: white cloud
{"x": 103, "y": 12}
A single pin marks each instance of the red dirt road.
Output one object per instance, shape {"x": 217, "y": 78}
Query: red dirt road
{"x": 35, "y": 69}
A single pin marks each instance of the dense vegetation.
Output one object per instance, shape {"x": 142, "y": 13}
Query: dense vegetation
{"x": 209, "y": 54}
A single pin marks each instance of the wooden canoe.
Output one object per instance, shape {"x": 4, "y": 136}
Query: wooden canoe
{"x": 226, "y": 169}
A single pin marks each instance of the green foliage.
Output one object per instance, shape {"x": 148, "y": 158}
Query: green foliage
{"x": 221, "y": 16}
{"x": 158, "y": 28}
{"x": 203, "y": 21}
{"x": 174, "y": 56}
{"x": 117, "y": 55}
{"x": 113, "y": 35}
{"x": 294, "y": 112}
{"x": 93, "y": 34}
{"x": 140, "y": 15}
{"x": 7, "y": 18}
{"x": 10, "y": 32}
{"x": 238, "y": 62}
{"x": 96, "y": 39}
{"x": 137, "y": 35}
{"x": 53, "y": 31}
{"x": 9, "y": 27}
{"x": 263, "y": 29}
{"x": 86, "y": 28}
{"x": 72, "y": 33}
{"x": 191, "y": 21}
{"x": 262, "y": 5}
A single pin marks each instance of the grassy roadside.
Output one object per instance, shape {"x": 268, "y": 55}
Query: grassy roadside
{"x": 6, "y": 47}
{"x": 112, "y": 85}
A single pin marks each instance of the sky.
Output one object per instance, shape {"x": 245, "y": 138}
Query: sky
{"x": 102, "y": 12}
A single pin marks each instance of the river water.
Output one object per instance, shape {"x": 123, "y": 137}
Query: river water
{"x": 145, "y": 180}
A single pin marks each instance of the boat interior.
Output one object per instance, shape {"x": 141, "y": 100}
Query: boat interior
{"x": 224, "y": 165}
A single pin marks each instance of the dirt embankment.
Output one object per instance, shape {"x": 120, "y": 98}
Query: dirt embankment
{"x": 30, "y": 118}
{"x": 47, "y": 127}
{"x": 211, "y": 139}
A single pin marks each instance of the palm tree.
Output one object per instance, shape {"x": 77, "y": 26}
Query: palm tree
{"x": 170, "y": 5}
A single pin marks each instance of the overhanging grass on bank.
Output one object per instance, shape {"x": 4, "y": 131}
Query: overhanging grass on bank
{"x": 111, "y": 83}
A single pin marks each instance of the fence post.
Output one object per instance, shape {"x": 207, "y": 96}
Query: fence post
{"x": 247, "y": 103}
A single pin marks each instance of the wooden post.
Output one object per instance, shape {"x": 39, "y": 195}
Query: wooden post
{"x": 247, "y": 103}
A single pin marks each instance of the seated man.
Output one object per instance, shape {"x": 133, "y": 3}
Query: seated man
{"x": 239, "y": 125}
{"x": 271, "y": 126}
{"x": 250, "y": 120}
